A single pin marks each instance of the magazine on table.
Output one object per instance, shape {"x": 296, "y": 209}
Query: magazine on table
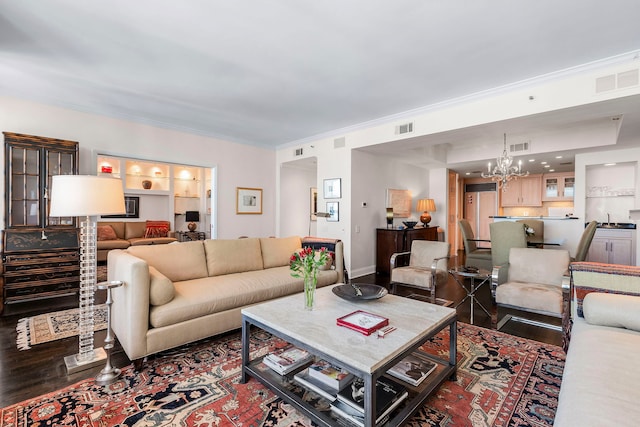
{"x": 307, "y": 381}
{"x": 287, "y": 359}
{"x": 347, "y": 412}
{"x": 332, "y": 375}
{"x": 388, "y": 392}
{"x": 413, "y": 369}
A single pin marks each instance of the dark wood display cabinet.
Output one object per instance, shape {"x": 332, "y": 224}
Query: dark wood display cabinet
{"x": 40, "y": 254}
{"x": 390, "y": 241}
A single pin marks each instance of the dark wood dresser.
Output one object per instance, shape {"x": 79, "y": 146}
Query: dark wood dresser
{"x": 390, "y": 241}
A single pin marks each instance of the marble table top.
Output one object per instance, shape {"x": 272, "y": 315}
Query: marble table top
{"x": 415, "y": 321}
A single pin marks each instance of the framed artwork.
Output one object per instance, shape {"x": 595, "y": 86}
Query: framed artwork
{"x": 248, "y": 201}
{"x": 131, "y": 206}
{"x": 332, "y": 188}
{"x": 313, "y": 203}
{"x": 333, "y": 209}
{"x": 400, "y": 201}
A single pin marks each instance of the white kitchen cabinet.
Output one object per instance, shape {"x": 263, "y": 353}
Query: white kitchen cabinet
{"x": 558, "y": 186}
{"x": 526, "y": 191}
{"x": 613, "y": 246}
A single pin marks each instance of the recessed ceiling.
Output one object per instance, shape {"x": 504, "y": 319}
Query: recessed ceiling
{"x": 271, "y": 72}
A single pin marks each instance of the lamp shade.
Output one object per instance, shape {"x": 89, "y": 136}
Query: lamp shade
{"x": 192, "y": 216}
{"x": 86, "y": 195}
{"x": 426, "y": 205}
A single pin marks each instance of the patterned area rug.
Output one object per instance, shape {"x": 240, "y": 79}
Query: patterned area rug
{"x": 54, "y": 326}
{"x": 502, "y": 381}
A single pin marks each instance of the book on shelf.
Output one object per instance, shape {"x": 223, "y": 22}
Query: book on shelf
{"x": 347, "y": 412}
{"x": 307, "y": 381}
{"x": 413, "y": 369}
{"x": 388, "y": 392}
{"x": 332, "y": 375}
{"x": 363, "y": 322}
{"x": 287, "y": 359}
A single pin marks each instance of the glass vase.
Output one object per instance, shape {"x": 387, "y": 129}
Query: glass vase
{"x": 310, "y": 282}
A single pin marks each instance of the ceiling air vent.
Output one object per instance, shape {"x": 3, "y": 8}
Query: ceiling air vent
{"x": 298, "y": 152}
{"x": 405, "y": 128}
{"x": 618, "y": 81}
{"x": 339, "y": 142}
{"x": 522, "y": 147}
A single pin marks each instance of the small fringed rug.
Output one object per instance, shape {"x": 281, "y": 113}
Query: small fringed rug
{"x": 54, "y": 326}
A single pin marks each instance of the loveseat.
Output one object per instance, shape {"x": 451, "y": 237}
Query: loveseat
{"x": 600, "y": 379}
{"x": 122, "y": 234}
{"x": 182, "y": 292}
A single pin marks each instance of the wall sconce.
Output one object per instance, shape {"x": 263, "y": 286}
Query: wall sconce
{"x": 425, "y": 206}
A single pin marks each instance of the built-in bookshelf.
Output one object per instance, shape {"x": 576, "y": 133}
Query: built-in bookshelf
{"x": 165, "y": 191}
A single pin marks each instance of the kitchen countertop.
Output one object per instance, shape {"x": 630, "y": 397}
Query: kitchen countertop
{"x": 533, "y": 217}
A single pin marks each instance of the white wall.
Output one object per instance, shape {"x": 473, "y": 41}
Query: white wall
{"x": 238, "y": 165}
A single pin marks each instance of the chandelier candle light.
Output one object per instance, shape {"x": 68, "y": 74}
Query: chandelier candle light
{"x": 86, "y": 196}
{"x": 504, "y": 172}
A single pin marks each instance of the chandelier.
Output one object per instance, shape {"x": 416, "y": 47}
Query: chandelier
{"x": 503, "y": 172}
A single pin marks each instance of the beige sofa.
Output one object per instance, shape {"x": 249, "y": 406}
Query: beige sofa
{"x": 182, "y": 292}
{"x": 600, "y": 378}
{"x": 127, "y": 234}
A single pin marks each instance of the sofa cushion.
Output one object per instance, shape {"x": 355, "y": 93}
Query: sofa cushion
{"x": 106, "y": 232}
{"x": 113, "y": 244}
{"x": 177, "y": 261}
{"x": 201, "y": 297}
{"x": 618, "y": 311}
{"x": 161, "y": 289}
{"x": 134, "y": 229}
{"x": 233, "y": 256}
{"x": 276, "y": 252}
{"x": 118, "y": 227}
{"x": 151, "y": 240}
{"x": 157, "y": 229}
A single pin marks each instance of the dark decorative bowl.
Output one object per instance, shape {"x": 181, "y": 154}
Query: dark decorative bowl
{"x": 410, "y": 224}
{"x": 367, "y": 291}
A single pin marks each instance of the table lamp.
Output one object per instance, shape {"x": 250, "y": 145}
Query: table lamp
{"x": 425, "y": 206}
{"x": 86, "y": 196}
{"x": 192, "y": 217}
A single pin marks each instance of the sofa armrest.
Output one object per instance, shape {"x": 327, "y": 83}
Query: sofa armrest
{"x": 399, "y": 259}
{"x": 130, "y": 309}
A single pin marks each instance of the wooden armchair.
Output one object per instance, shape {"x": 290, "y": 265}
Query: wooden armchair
{"x": 425, "y": 267}
{"x": 537, "y": 282}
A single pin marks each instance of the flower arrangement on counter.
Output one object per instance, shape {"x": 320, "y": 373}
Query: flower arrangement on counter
{"x": 529, "y": 230}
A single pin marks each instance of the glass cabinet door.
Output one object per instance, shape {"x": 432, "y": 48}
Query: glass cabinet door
{"x": 569, "y": 185}
{"x": 551, "y": 187}
{"x": 58, "y": 163}
{"x": 24, "y": 176}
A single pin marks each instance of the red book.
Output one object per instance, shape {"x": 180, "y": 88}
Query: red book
{"x": 363, "y": 322}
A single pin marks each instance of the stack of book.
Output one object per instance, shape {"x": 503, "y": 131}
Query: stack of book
{"x": 413, "y": 369}
{"x": 324, "y": 378}
{"x": 288, "y": 359}
{"x": 350, "y": 401}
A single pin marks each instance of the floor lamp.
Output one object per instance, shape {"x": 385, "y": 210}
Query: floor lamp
{"x": 86, "y": 196}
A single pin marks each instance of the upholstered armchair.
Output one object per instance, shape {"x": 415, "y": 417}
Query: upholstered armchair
{"x": 474, "y": 256}
{"x": 425, "y": 267}
{"x": 504, "y": 236}
{"x": 537, "y": 282}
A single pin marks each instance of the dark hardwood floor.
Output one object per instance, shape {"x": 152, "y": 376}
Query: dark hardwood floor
{"x": 40, "y": 370}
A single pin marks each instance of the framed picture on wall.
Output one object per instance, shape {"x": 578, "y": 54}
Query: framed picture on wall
{"x": 248, "y": 201}
{"x": 400, "y": 201}
{"x": 131, "y": 206}
{"x": 333, "y": 211}
{"x": 313, "y": 203}
{"x": 332, "y": 188}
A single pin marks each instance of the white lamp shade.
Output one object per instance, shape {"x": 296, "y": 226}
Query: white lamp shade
{"x": 86, "y": 195}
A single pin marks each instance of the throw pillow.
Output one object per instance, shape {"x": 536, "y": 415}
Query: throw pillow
{"x": 157, "y": 229}
{"x": 161, "y": 289}
{"x": 106, "y": 232}
{"x": 618, "y": 311}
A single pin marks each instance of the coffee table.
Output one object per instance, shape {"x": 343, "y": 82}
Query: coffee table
{"x": 368, "y": 357}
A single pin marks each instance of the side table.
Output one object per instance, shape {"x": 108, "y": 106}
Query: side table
{"x": 478, "y": 277}
{"x": 189, "y": 236}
